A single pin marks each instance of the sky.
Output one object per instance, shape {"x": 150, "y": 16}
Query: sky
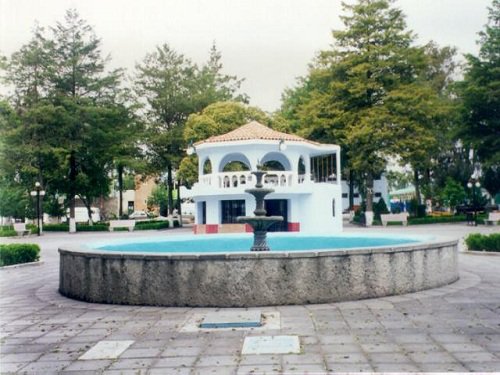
{"x": 269, "y": 43}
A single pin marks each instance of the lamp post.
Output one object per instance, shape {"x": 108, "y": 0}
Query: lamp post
{"x": 474, "y": 184}
{"x": 38, "y": 192}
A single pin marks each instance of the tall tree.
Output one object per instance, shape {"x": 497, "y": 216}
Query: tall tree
{"x": 71, "y": 111}
{"x": 480, "y": 95}
{"x": 361, "y": 93}
{"x": 173, "y": 87}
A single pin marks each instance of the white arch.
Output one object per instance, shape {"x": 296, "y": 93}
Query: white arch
{"x": 279, "y": 157}
{"x": 236, "y": 156}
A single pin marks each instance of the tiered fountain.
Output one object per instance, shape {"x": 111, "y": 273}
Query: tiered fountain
{"x": 260, "y": 222}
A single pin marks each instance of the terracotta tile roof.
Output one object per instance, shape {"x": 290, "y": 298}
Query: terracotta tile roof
{"x": 254, "y": 130}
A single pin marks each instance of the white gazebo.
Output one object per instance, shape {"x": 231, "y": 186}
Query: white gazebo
{"x": 304, "y": 174}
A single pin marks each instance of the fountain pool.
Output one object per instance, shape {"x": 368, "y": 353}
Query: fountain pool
{"x": 220, "y": 271}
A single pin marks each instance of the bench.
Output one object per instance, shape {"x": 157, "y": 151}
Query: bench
{"x": 401, "y": 217}
{"x": 20, "y": 229}
{"x": 493, "y": 218}
{"x": 130, "y": 224}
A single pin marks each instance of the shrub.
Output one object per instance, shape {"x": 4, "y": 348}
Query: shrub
{"x": 153, "y": 225}
{"x": 380, "y": 208}
{"x": 140, "y": 223}
{"x": 18, "y": 253}
{"x": 8, "y": 233}
{"x": 56, "y": 228}
{"x": 437, "y": 219}
{"x": 482, "y": 242}
{"x": 176, "y": 224}
{"x": 92, "y": 228}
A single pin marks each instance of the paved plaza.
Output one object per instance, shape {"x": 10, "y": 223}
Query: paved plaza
{"x": 453, "y": 328}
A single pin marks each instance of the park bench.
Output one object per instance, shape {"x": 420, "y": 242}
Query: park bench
{"x": 20, "y": 229}
{"x": 130, "y": 224}
{"x": 401, "y": 217}
{"x": 493, "y": 218}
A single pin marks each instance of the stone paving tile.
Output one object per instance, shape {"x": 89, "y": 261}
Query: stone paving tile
{"x": 389, "y": 358}
{"x": 483, "y": 366}
{"x": 44, "y": 367}
{"x": 141, "y": 353}
{"x": 304, "y": 369}
{"x": 442, "y": 367}
{"x": 432, "y": 357}
{"x": 346, "y": 358}
{"x": 217, "y": 360}
{"x": 258, "y": 369}
{"x": 395, "y": 367}
{"x": 91, "y": 365}
{"x": 132, "y": 363}
{"x": 219, "y": 370}
{"x": 170, "y": 371}
{"x": 179, "y": 362}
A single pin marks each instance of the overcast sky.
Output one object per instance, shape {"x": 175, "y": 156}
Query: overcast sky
{"x": 267, "y": 42}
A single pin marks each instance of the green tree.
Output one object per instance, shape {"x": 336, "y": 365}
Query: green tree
{"x": 453, "y": 193}
{"x": 71, "y": 113}
{"x": 220, "y": 118}
{"x": 480, "y": 94}
{"x": 173, "y": 87}
{"x": 368, "y": 93}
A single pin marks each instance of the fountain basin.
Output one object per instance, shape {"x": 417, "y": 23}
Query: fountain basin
{"x": 243, "y": 279}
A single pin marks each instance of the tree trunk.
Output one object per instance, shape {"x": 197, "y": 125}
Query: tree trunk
{"x": 369, "y": 192}
{"x": 170, "y": 189}
{"x": 120, "y": 190}
{"x": 72, "y": 192}
{"x": 417, "y": 186}
{"x": 351, "y": 190}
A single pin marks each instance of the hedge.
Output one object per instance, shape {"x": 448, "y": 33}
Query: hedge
{"x": 484, "y": 242}
{"x": 436, "y": 219}
{"x": 8, "y": 233}
{"x": 153, "y": 225}
{"x": 18, "y": 253}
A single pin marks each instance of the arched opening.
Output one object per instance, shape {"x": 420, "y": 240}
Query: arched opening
{"x": 276, "y": 161}
{"x": 273, "y": 165}
{"x": 302, "y": 166}
{"x": 235, "y": 166}
{"x": 207, "y": 167}
{"x": 234, "y": 162}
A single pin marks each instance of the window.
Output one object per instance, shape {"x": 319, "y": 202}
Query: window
{"x": 333, "y": 207}
{"x": 356, "y": 195}
{"x": 231, "y": 210}
{"x": 345, "y": 195}
{"x": 378, "y": 195}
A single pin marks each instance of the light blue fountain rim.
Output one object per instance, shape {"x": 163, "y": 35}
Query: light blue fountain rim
{"x": 423, "y": 242}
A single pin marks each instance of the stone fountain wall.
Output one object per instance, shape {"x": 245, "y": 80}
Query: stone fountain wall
{"x": 255, "y": 279}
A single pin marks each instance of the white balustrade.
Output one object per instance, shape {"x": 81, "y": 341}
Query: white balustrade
{"x": 234, "y": 180}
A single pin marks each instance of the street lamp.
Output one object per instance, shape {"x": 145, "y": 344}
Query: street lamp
{"x": 191, "y": 149}
{"x": 282, "y": 145}
{"x": 38, "y": 192}
{"x": 474, "y": 184}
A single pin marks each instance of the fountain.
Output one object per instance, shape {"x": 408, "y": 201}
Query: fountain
{"x": 260, "y": 222}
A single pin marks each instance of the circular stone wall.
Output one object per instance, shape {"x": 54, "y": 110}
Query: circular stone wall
{"x": 255, "y": 279}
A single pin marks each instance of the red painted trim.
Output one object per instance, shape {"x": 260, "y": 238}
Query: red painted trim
{"x": 211, "y": 228}
{"x": 294, "y": 227}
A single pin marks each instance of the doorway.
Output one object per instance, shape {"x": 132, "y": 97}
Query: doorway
{"x": 277, "y": 207}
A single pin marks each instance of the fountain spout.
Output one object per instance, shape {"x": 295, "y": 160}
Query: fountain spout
{"x": 260, "y": 222}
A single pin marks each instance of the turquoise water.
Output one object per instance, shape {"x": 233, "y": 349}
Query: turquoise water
{"x": 232, "y": 244}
